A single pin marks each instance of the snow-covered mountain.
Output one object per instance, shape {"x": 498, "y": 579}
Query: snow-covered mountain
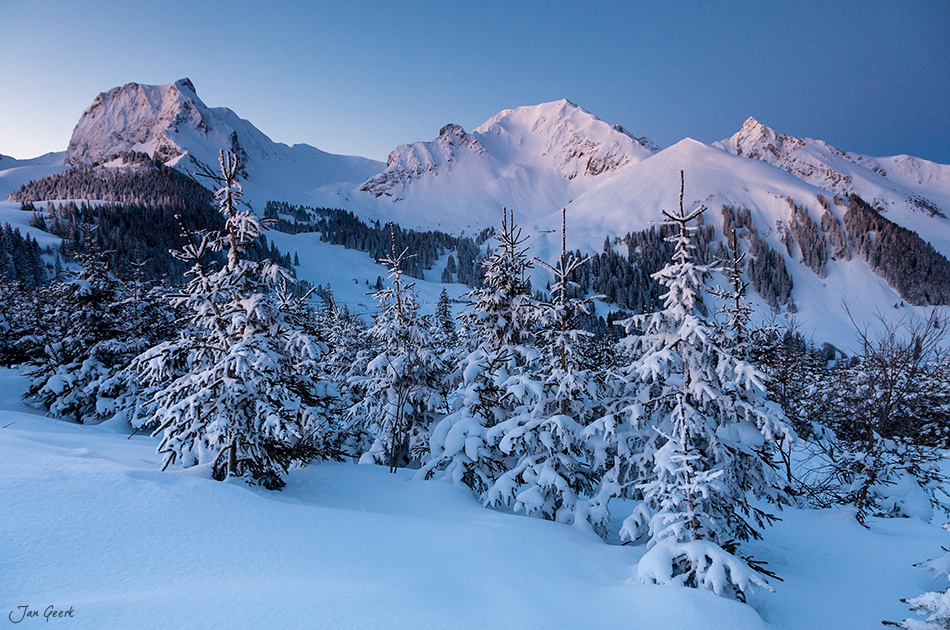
{"x": 539, "y": 159}
{"x": 910, "y": 191}
{"x": 171, "y": 124}
{"x": 14, "y": 173}
{"x": 47, "y": 159}
{"x": 535, "y": 159}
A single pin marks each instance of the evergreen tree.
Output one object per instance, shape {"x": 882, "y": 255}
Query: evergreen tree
{"x": 446, "y": 345}
{"x": 399, "y": 382}
{"x": 25, "y": 325}
{"x": 237, "y": 390}
{"x": 155, "y": 321}
{"x": 737, "y": 310}
{"x": 703, "y": 432}
{"x": 89, "y": 337}
{"x": 467, "y": 446}
{"x": 552, "y": 474}
{"x": 344, "y": 364}
{"x": 443, "y": 316}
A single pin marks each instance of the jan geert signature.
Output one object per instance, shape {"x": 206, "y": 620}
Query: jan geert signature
{"x": 23, "y": 612}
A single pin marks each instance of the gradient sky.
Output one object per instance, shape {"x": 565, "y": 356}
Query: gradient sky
{"x": 360, "y": 77}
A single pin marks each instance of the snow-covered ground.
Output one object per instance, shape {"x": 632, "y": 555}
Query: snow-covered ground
{"x": 89, "y": 522}
{"x": 352, "y": 274}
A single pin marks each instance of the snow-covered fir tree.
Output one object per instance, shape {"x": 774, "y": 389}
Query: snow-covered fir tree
{"x": 736, "y": 309}
{"x": 399, "y": 382}
{"x": 695, "y": 422}
{"x": 446, "y": 345}
{"x": 237, "y": 389}
{"x": 91, "y": 332}
{"x": 444, "y": 323}
{"x": 932, "y": 608}
{"x": 24, "y": 324}
{"x": 130, "y": 400}
{"x": 552, "y": 474}
{"x": 342, "y": 366}
{"x": 468, "y": 445}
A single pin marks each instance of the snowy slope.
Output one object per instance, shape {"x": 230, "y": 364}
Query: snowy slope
{"x": 352, "y": 274}
{"x": 47, "y": 159}
{"x": 14, "y": 177}
{"x": 20, "y": 220}
{"x": 534, "y": 159}
{"x": 14, "y": 173}
{"x": 90, "y": 523}
{"x": 170, "y": 122}
{"x": 539, "y": 159}
{"x": 631, "y": 200}
{"x": 912, "y": 192}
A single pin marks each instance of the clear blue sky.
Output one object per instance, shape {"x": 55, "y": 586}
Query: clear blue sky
{"x": 360, "y": 77}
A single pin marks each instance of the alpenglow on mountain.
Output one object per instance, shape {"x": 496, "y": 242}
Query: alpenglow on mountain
{"x": 889, "y": 181}
{"x": 813, "y": 247}
{"x": 173, "y": 126}
{"x": 534, "y": 159}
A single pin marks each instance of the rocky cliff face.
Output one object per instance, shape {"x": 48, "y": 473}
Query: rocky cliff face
{"x": 813, "y": 161}
{"x": 141, "y": 118}
{"x": 173, "y": 126}
{"x": 409, "y": 162}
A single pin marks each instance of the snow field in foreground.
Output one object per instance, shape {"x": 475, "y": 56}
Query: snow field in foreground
{"x": 89, "y": 521}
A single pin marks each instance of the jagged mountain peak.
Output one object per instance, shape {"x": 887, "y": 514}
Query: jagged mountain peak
{"x": 138, "y": 117}
{"x": 452, "y": 130}
{"x": 453, "y": 135}
{"x": 186, "y": 84}
{"x": 752, "y": 126}
{"x": 535, "y": 117}
{"x": 557, "y": 143}
{"x": 409, "y": 162}
{"x": 901, "y": 183}
{"x": 172, "y": 125}
{"x": 562, "y": 123}
{"x": 813, "y": 161}
{"x": 758, "y": 141}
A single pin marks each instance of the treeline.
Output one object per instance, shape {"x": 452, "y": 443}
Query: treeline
{"x": 140, "y": 182}
{"x": 136, "y": 240}
{"x": 21, "y": 258}
{"x": 626, "y": 279}
{"x": 766, "y": 267}
{"x": 810, "y": 239}
{"x": 837, "y": 236}
{"x": 342, "y": 227}
{"x": 907, "y": 262}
